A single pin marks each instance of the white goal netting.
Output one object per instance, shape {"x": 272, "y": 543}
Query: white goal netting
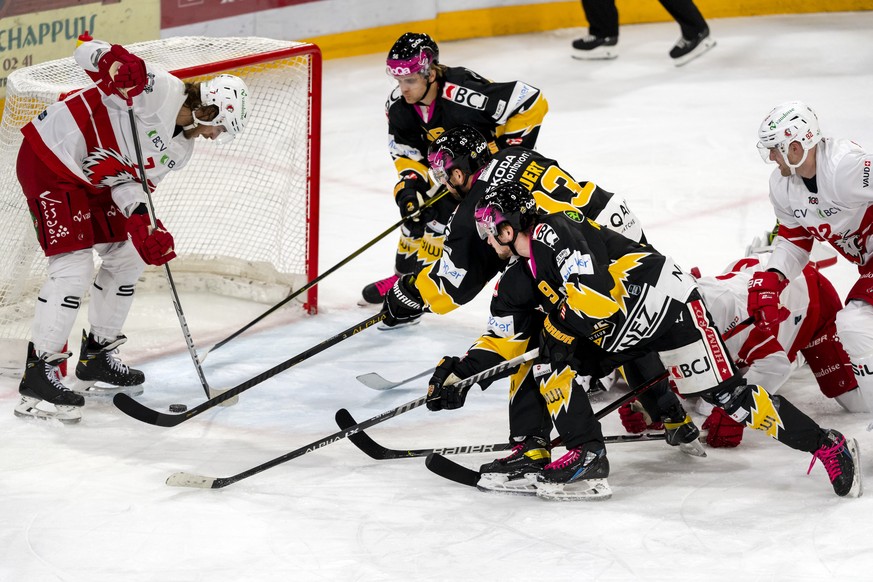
{"x": 243, "y": 215}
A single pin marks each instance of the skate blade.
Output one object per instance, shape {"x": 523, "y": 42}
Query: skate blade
{"x": 590, "y": 490}
{"x": 500, "y": 483}
{"x": 694, "y": 448}
{"x": 99, "y": 391}
{"x": 41, "y": 410}
{"x": 383, "y": 327}
{"x": 601, "y": 53}
{"x": 703, "y": 47}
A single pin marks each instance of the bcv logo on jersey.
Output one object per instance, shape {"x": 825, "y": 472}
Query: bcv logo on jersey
{"x": 687, "y": 370}
{"x": 464, "y": 96}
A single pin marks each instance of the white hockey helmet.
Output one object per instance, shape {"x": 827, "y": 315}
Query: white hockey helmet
{"x": 231, "y": 95}
{"x": 787, "y": 123}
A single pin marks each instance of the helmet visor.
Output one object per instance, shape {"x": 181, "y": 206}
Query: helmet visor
{"x": 440, "y": 167}
{"x": 488, "y": 219}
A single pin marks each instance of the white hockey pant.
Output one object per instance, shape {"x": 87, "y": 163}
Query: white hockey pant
{"x": 68, "y": 277}
{"x": 855, "y": 330}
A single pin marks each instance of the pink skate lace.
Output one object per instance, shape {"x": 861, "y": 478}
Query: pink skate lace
{"x": 385, "y": 284}
{"x": 515, "y": 451}
{"x": 828, "y": 456}
{"x": 570, "y": 457}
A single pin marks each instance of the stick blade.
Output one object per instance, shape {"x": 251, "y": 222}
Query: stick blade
{"x": 451, "y": 470}
{"x": 375, "y": 381}
{"x": 143, "y": 413}
{"x": 360, "y": 439}
{"x": 183, "y": 479}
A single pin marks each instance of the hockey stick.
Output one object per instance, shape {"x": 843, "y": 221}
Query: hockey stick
{"x": 376, "y": 451}
{"x": 453, "y": 471}
{"x": 183, "y": 479}
{"x": 315, "y": 281}
{"x": 377, "y": 382}
{"x": 136, "y": 410}
{"x": 151, "y": 207}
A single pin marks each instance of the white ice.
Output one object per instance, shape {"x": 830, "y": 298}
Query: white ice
{"x": 88, "y": 502}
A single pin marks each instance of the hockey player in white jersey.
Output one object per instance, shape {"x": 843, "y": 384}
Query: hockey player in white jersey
{"x": 78, "y": 169}
{"x": 820, "y": 190}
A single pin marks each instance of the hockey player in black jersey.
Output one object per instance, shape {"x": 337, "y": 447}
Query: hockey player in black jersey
{"x": 429, "y": 99}
{"x": 628, "y": 299}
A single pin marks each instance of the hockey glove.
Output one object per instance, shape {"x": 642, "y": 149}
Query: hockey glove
{"x": 441, "y": 390}
{"x": 409, "y": 194}
{"x": 154, "y": 246}
{"x": 557, "y": 343}
{"x": 763, "y": 302}
{"x": 724, "y": 431}
{"x": 403, "y": 302}
{"x": 130, "y": 76}
{"x": 635, "y": 419}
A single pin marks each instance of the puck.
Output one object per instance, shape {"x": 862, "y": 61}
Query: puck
{"x": 178, "y": 408}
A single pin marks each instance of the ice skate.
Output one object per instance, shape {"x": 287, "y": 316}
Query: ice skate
{"x": 374, "y": 293}
{"x": 580, "y": 475}
{"x": 100, "y": 372}
{"x": 43, "y": 395}
{"x": 684, "y": 434}
{"x": 516, "y": 472}
{"x": 842, "y": 460}
{"x": 686, "y": 50}
{"x": 595, "y": 48}
{"x": 29, "y": 407}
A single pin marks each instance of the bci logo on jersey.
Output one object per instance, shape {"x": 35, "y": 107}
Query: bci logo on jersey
{"x": 698, "y": 366}
{"x": 464, "y": 96}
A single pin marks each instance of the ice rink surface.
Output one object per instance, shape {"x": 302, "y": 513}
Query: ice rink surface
{"x": 88, "y": 502}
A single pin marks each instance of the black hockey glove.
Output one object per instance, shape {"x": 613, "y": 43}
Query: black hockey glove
{"x": 410, "y": 195}
{"x": 557, "y": 343}
{"x": 403, "y": 302}
{"x": 442, "y": 392}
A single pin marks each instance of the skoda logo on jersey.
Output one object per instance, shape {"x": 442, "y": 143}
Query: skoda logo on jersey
{"x": 464, "y": 96}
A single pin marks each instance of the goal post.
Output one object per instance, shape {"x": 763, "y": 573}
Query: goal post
{"x": 244, "y": 215}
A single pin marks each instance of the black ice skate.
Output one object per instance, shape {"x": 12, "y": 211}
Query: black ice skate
{"x": 516, "y": 472}
{"x": 101, "y": 373}
{"x": 683, "y": 434}
{"x": 374, "y": 293}
{"x": 688, "y": 49}
{"x": 595, "y": 48}
{"x": 43, "y": 395}
{"x": 578, "y": 475}
{"x": 842, "y": 460}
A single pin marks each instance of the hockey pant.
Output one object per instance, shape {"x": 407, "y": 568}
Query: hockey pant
{"x": 69, "y": 275}
{"x": 855, "y": 330}
{"x": 701, "y": 366}
{"x": 422, "y": 243}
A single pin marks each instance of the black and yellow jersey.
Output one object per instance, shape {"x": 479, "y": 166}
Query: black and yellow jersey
{"x": 507, "y": 114}
{"x": 468, "y": 263}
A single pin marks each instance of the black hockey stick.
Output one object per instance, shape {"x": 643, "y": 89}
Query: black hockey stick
{"x": 377, "y": 382}
{"x": 135, "y": 409}
{"x": 184, "y": 479}
{"x": 451, "y": 470}
{"x": 183, "y": 322}
{"x": 318, "y": 279}
{"x": 376, "y": 451}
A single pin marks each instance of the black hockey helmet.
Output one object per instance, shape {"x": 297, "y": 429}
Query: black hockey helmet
{"x": 507, "y": 202}
{"x": 412, "y": 53}
{"x": 461, "y": 147}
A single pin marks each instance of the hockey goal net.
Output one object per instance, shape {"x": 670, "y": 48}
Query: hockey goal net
{"x": 244, "y": 215}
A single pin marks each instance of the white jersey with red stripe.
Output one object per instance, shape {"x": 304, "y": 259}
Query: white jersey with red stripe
{"x": 840, "y": 212}
{"x": 87, "y": 136}
{"x": 768, "y": 359}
